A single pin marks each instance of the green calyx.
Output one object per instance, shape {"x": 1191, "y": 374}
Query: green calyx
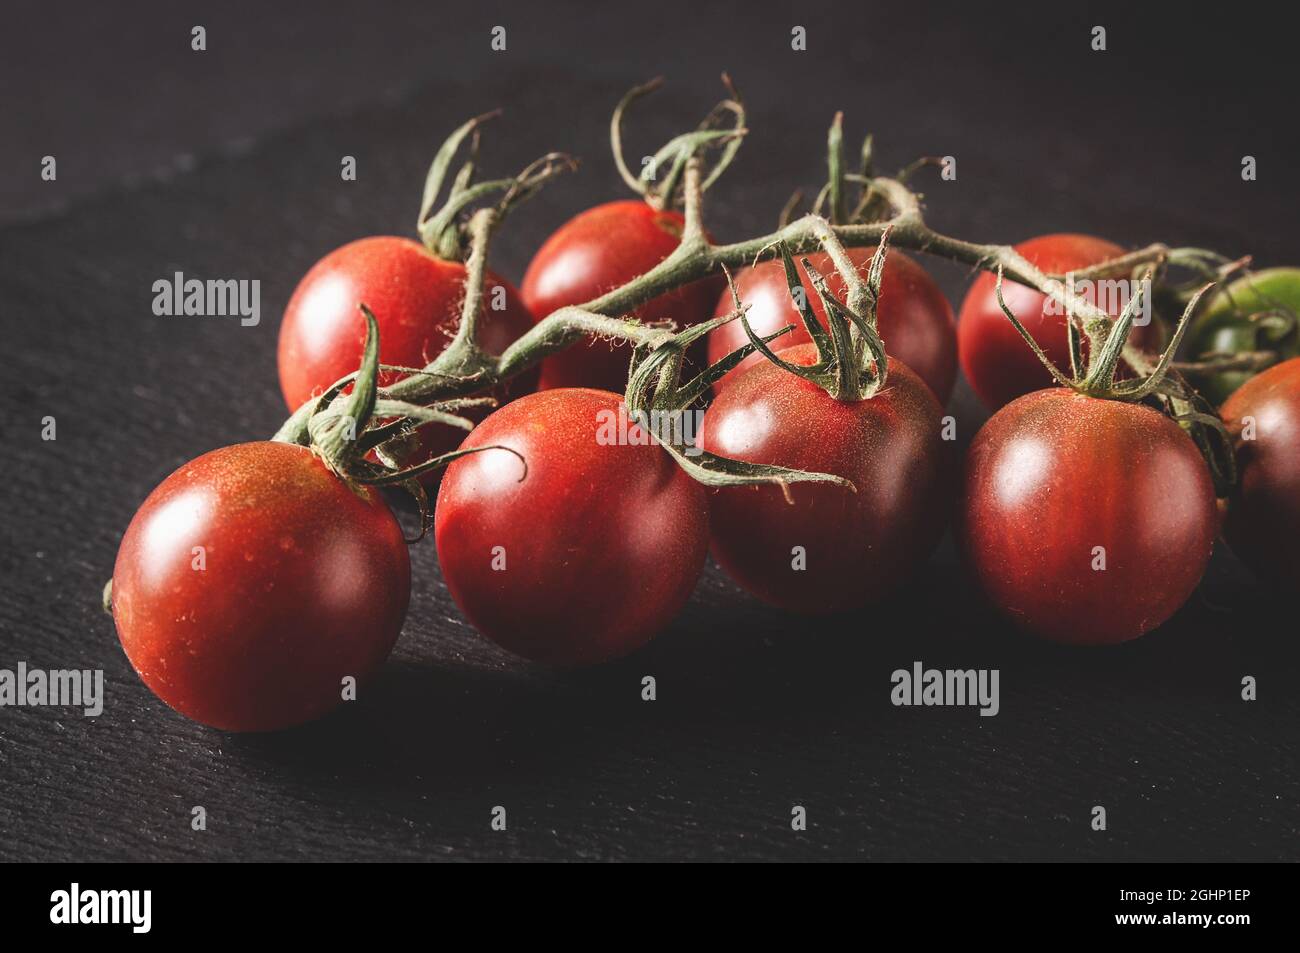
{"x": 851, "y": 362}
{"x": 655, "y": 394}
{"x": 443, "y": 231}
{"x": 1098, "y": 377}
{"x": 345, "y": 429}
{"x": 660, "y": 181}
{"x": 1158, "y": 381}
{"x": 869, "y": 204}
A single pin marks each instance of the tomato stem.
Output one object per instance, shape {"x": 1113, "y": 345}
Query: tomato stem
{"x": 441, "y": 231}
{"x": 835, "y": 169}
{"x": 1100, "y": 377}
{"x": 466, "y": 351}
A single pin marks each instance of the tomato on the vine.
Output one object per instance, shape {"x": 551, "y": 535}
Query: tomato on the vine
{"x": 252, "y": 582}
{"x": 593, "y": 253}
{"x": 913, "y": 317}
{"x": 827, "y": 548}
{"x": 579, "y": 552}
{"x": 416, "y": 298}
{"x": 1263, "y": 525}
{"x": 993, "y": 355}
{"x": 1084, "y": 520}
{"x": 1231, "y": 325}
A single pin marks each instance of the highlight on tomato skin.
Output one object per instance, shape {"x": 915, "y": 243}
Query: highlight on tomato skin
{"x": 994, "y": 358}
{"x": 856, "y": 546}
{"x": 1085, "y": 521}
{"x": 416, "y": 298}
{"x": 252, "y": 582}
{"x": 595, "y": 252}
{"x": 913, "y": 317}
{"x": 1263, "y": 520}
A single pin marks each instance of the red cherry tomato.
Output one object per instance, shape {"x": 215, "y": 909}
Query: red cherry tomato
{"x": 913, "y": 317}
{"x": 997, "y": 362}
{"x": 596, "y": 252}
{"x": 855, "y": 546}
{"x": 1086, "y": 521}
{"x": 252, "y": 581}
{"x": 416, "y": 299}
{"x": 1263, "y": 525}
{"x": 591, "y": 553}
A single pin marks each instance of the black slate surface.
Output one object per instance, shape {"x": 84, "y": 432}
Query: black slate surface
{"x": 226, "y": 164}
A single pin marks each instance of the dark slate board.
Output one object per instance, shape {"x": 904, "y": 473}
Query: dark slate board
{"x": 226, "y": 164}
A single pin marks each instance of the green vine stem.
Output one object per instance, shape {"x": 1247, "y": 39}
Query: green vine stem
{"x": 457, "y": 373}
{"x": 1216, "y": 363}
{"x": 663, "y": 192}
{"x": 886, "y": 211}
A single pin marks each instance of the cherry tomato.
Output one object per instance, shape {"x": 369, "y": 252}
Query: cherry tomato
{"x": 587, "y": 555}
{"x": 830, "y": 548}
{"x": 913, "y": 317}
{"x": 1226, "y": 326}
{"x": 416, "y": 298}
{"x": 1086, "y": 521}
{"x": 998, "y": 364}
{"x": 1263, "y": 525}
{"x": 596, "y": 252}
{"x": 252, "y": 581}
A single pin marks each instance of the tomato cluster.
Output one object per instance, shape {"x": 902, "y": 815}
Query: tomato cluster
{"x": 256, "y": 586}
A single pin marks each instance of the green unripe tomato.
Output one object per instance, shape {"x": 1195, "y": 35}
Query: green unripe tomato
{"x": 1225, "y": 326}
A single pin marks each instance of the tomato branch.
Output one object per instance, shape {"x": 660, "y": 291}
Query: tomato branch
{"x": 464, "y": 369}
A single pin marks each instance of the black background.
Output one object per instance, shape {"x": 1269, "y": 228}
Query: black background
{"x": 226, "y": 164}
